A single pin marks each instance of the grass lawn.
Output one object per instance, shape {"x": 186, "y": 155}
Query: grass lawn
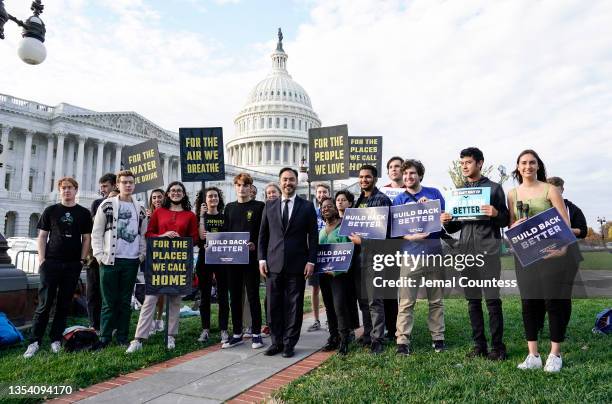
{"x": 592, "y": 260}
{"x": 82, "y": 369}
{"x": 450, "y": 377}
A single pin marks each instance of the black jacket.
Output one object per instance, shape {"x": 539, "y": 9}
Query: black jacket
{"x": 482, "y": 236}
{"x": 288, "y": 250}
{"x": 577, "y": 219}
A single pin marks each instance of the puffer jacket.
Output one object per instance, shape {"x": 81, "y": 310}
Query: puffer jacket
{"x": 483, "y": 236}
{"x": 104, "y": 232}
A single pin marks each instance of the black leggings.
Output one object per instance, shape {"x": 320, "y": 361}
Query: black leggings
{"x": 239, "y": 276}
{"x": 205, "y": 279}
{"x": 559, "y": 311}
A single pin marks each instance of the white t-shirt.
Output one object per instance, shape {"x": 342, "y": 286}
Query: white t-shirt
{"x": 128, "y": 239}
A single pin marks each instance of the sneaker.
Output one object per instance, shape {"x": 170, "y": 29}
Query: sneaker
{"x": 316, "y": 326}
{"x": 31, "y": 351}
{"x": 256, "y": 342}
{"x": 477, "y": 352}
{"x": 265, "y": 331}
{"x": 56, "y": 346}
{"x": 247, "y": 333}
{"x": 171, "y": 342}
{"x": 553, "y": 363}
{"x": 497, "y": 355}
{"x": 134, "y": 346}
{"x": 402, "y": 349}
{"x": 438, "y": 346}
{"x": 203, "y": 336}
{"x": 531, "y": 362}
{"x": 235, "y": 340}
{"x": 159, "y": 325}
{"x": 376, "y": 348}
{"x": 224, "y": 336}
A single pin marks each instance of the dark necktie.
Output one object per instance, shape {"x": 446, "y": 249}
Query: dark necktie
{"x": 285, "y": 217}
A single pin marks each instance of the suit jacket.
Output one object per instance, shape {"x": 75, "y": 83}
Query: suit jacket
{"x": 288, "y": 249}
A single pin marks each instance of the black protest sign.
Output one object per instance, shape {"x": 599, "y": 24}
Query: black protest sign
{"x": 169, "y": 266}
{"x": 202, "y": 154}
{"x": 364, "y": 150}
{"x": 143, "y": 161}
{"x": 328, "y": 153}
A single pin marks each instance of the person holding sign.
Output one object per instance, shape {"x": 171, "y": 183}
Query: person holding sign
{"x": 173, "y": 219}
{"x": 482, "y": 237}
{"x": 420, "y": 244}
{"x": 211, "y": 220}
{"x": 550, "y": 279}
{"x": 118, "y": 244}
{"x": 335, "y": 287}
{"x": 155, "y": 201}
{"x": 244, "y": 215}
{"x": 287, "y": 254}
{"x": 371, "y": 197}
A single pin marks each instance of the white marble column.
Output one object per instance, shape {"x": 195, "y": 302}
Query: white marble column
{"x": 283, "y": 158}
{"x": 118, "y": 148}
{"x": 5, "y": 139}
{"x": 264, "y": 153}
{"x": 80, "y": 161}
{"x": 70, "y": 158}
{"x": 89, "y": 172}
{"x": 59, "y": 158}
{"x": 27, "y": 159}
{"x": 47, "y": 187}
{"x": 166, "y": 169}
{"x": 99, "y": 161}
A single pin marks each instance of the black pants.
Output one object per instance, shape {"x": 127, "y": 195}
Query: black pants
{"x": 239, "y": 276}
{"x": 205, "y": 282}
{"x": 94, "y": 296}
{"x": 58, "y": 282}
{"x": 362, "y": 301}
{"x": 490, "y": 270}
{"x": 558, "y": 310}
{"x": 285, "y": 307}
{"x": 391, "y": 308}
{"x": 335, "y": 291}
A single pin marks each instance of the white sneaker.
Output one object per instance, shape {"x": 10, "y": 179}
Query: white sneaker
{"x": 56, "y": 346}
{"x": 134, "y": 346}
{"x": 247, "y": 332}
{"x": 553, "y": 363}
{"x": 171, "y": 342}
{"x": 159, "y": 325}
{"x": 31, "y": 351}
{"x": 203, "y": 336}
{"x": 224, "y": 336}
{"x": 531, "y": 362}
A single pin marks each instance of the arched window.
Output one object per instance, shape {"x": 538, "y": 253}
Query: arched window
{"x": 270, "y": 123}
{"x": 262, "y": 123}
{"x": 300, "y": 124}
{"x": 32, "y": 229}
{"x": 285, "y": 123}
{"x": 10, "y": 220}
{"x": 277, "y": 122}
{"x": 292, "y": 123}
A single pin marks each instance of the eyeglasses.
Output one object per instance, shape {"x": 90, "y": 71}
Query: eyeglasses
{"x": 176, "y": 191}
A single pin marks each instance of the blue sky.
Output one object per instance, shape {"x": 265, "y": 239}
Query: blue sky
{"x": 430, "y": 76}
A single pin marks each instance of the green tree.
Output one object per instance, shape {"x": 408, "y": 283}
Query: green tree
{"x": 458, "y": 179}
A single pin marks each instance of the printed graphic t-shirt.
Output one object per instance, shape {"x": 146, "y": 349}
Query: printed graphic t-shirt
{"x": 65, "y": 226}
{"x": 128, "y": 239}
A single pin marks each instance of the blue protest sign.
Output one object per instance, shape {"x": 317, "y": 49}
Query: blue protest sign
{"x": 533, "y": 239}
{"x": 169, "y": 266}
{"x": 413, "y": 218}
{"x": 368, "y": 223}
{"x": 227, "y": 248}
{"x": 465, "y": 203}
{"x": 334, "y": 257}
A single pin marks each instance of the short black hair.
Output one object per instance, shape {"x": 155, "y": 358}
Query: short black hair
{"x": 371, "y": 168}
{"x": 293, "y": 170}
{"x": 420, "y": 168}
{"x": 108, "y": 177}
{"x": 473, "y": 152}
{"x": 401, "y": 160}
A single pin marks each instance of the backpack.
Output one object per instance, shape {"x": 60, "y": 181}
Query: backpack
{"x": 79, "y": 338}
{"x": 9, "y": 334}
{"x": 603, "y": 322}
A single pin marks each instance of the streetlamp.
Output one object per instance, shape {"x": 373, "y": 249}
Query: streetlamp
{"x": 602, "y": 221}
{"x": 303, "y": 176}
{"x": 31, "y": 49}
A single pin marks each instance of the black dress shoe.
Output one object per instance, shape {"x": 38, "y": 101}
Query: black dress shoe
{"x": 344, "y": 347}
{"x": 332, "y": 345}
{"x": 273, "y": 350}
{"x": 477, "y": 351}
{"x": 288, "y": 352}
{"x": 100, "y": 345}
{"x": 497, "y": 355}
{"x": 376, "y": 348}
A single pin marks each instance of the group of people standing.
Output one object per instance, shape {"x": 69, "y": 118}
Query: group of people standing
{"x": 284, "y": 233}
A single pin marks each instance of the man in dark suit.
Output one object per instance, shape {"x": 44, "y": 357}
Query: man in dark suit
{"x": 288, "y": 241}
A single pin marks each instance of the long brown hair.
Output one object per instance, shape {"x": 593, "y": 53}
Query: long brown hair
{"x": 541, "y": 174}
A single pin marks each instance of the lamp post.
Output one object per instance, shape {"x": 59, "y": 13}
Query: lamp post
{"x": 303, "y": 176}
{"x": 31, "y": 49}
{"x": 602, "y": 221}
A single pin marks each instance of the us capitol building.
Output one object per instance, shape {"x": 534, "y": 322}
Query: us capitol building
{"x": 44, "y": 143}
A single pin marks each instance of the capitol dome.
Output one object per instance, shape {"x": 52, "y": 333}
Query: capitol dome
{"x": 272, "y": 127}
